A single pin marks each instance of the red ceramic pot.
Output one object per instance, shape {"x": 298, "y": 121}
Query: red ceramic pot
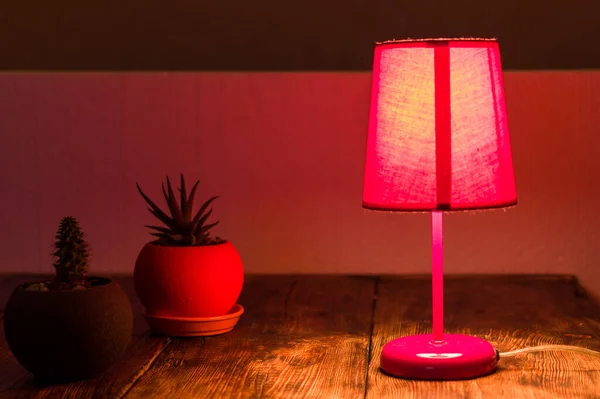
{"x": 188, "y": 282}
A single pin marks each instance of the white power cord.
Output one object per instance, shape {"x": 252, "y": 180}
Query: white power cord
{"x": 550, "y": 348}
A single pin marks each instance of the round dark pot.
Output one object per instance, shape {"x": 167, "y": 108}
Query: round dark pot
{"x": 69, "y": 335}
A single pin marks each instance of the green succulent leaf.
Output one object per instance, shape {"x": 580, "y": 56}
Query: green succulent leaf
{"x": 200, "y": 221}
{"x": 202, "y": 238}
{"x": 183, "y": 198}
{"x": 176, "y": 237}
{"x": 180, "y": 228}
{"x": 159, "y": 235}
{"x": 202, "y": 209}
{"x": 173, "y": 205}
{"x": 163, "y": 218}
{"x": 205, "y": 229}
{"x": 156, "y": 211}
{"x": 158, "y": 228}
{"x": 190, "y": 202}
{"x": 202, "y": 233}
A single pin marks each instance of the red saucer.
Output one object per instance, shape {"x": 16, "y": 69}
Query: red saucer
{"x": 196, "y": 326}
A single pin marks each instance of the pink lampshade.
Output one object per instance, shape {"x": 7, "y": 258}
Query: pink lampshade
{"x": 438, "y": 134}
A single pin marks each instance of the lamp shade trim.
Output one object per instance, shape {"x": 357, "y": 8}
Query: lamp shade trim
{"x": 456, "y": 42}
{"x": 437, "y": 207}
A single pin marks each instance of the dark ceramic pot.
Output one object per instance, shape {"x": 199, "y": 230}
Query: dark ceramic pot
{"x": 69, "y": 335}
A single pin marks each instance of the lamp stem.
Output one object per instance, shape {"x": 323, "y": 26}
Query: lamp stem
{"x": 437, "y": 275}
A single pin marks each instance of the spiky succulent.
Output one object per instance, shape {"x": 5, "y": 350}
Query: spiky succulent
{"x": 182, "y": 228}
{"x": 71, "y": 252}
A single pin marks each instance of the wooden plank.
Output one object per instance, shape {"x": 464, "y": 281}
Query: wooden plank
{"x": 300, "y": 337}
{"x": 142, "y": 351}
{"x": 550, "y": 384}
{"x": 511, "y": 312}
{"x": 308, "y": 337}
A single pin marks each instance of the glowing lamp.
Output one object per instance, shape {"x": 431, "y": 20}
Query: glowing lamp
{"x": 438, "y": 141}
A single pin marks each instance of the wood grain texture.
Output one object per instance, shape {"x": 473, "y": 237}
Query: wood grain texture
{"x": 15, "y": 382}
{"x": 300, "y": 337}
{"x": 321, "y": 337}
{"x": 511, "y": 312}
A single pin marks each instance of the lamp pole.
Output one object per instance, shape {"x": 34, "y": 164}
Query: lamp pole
{"x": 437, "y": 275}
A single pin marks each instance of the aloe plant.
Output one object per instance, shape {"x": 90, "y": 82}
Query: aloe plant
{"x": 182, "y": 227}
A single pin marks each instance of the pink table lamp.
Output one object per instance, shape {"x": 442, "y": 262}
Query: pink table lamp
{"x": 438, "y": 141}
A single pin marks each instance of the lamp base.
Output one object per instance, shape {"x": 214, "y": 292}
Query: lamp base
{"x": 457, "y": 357}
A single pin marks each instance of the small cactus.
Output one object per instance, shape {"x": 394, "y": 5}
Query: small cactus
{"x": 71, "y": 254}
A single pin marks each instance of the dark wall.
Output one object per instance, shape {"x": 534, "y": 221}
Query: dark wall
{"x": 283, "y": 34}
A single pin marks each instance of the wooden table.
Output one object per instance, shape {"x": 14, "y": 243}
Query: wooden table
{"x": 321, "y": 337}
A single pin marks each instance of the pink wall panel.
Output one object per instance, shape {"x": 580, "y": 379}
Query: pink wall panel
{"x": 79, "y": 160}
{"x": 19, "y": 177}
{"x": 286, "y": 155}
{"x": 285, "y": 152}
{"x": 160, "y": 138}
